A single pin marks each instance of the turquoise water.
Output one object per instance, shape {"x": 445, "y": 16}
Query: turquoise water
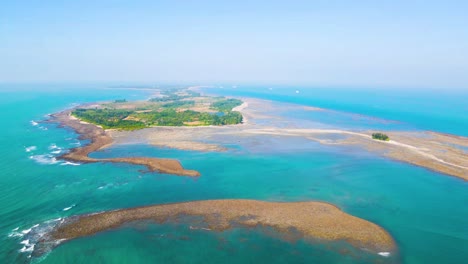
{"x": 424, "y": 211}
{"x": 438, "y": 110}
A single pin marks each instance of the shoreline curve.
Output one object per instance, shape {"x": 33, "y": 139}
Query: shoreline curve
{"x": 100, "y": 139}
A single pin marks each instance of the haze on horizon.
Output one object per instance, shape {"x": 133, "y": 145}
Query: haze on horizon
{"x": 351, "y": 43}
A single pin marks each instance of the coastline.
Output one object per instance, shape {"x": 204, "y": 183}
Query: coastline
{"x": 100, "y": 139}
{"x": 427, "y": 149}
{"x": 316, "y": 220}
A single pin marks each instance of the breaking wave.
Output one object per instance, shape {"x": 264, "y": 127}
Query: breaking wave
{"x": 46, "y": 159}
{"x": 31, "y": 148}
{"x": 384, "y": 254}
{"x": 70, "y": 163}
{"x": 29, "y": 238}
{"x": 68, "y": 208}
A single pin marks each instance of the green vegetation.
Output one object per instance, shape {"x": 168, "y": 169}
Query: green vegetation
{"x": 108, "y": 118}
{"x": 380, "y": 136}
{"x": 174, "y": 95}
{"x": 170, "y": 117}
{"x": 173, "y": 109}
{"x": 179, "y": 104}
{"x": 226, "y": 105}
{"x": 168, "y": 98}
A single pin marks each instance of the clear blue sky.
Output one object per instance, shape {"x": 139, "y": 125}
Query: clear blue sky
{"x": 368, "y": 43}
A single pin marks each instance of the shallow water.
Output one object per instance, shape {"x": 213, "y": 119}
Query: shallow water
{"x": 424, "y": 211}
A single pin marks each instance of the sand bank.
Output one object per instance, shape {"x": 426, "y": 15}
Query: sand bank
{"x": 435, "y": 151}
{"x": 306, "y": 219}
{"x": 100, "y": 138}
{"x": 426, "y": 149}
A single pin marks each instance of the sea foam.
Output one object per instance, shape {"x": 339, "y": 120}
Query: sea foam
{"x": 68, "y": 208}
{"x": 384, "y": 254}
{"x": 31, "y": 148}
{"x": 53, "y": 146}
{"x": 70, "y": 163}
{"x": 44, "y": 159}
{"x": 30, "y": 237}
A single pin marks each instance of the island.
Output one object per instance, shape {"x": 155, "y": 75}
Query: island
{"x": 169, "y": 108}
{"x": 187, "y": 120}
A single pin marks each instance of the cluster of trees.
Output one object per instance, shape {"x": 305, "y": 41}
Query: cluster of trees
{"x": 170, "y": 95}
{"x": 108, "y": 118}
{"x": 230, "y": 118}
{"x": 226, "y": 105}
{"x": 167, "y": 98}
{"x": 380, "y": 136}
{"x": 171, "y": 117}
{"x": 179, "y": 104}
{"x": 117, "y": 118}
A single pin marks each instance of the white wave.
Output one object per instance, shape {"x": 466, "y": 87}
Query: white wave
{"x": 14, "y": 233}
{"x": 44, "y": 159}
{"x": 56, "y": 151}
{"x": 31, "y": 148}
{"x": 35, "y": 234}
{"x": 70, "y": 163}
{"x": 26, "y": 231}
{"x": 33, "y": 123}
{"x": 384, "y": 254}
{"x": 27, "y": 248}
{"x": 76, "y": 144}
{"x": 42, "y": 128}
{"x": 68, "y": 208}
{"x": 53, "y": 146}
{"x": 105, "y": 186}
{"x": 201, "y": 228}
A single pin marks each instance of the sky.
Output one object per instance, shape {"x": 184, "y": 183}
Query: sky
{"x": 324, "y": 43}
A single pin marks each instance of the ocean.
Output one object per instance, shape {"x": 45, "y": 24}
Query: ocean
{"x": 424, "y": 211}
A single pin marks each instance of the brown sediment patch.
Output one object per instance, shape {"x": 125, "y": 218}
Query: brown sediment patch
{"x": 184, "y": 138}
{"x": 309, "y": 219}
{"x": 100, "y": 139}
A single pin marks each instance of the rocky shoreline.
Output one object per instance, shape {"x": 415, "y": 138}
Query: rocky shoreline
{"x": 100, "y": 139}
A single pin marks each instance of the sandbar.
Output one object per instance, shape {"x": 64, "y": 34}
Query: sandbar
{"x": 316, "y": 220}
{"x": 428, "y": 149}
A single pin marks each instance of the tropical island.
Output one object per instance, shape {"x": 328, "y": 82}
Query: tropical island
{"x": 184, "y": 119}
{"x": 170, "y": 108}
